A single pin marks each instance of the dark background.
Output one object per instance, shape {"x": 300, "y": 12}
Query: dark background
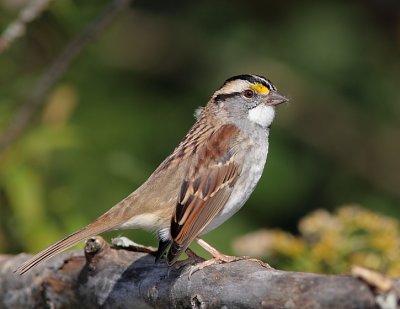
{"x": 129, "y": 98}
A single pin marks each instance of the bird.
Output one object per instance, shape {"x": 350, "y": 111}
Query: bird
{"x": 203, "y": 182}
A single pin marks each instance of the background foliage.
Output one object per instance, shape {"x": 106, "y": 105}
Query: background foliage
{"x": 129, "y": 98}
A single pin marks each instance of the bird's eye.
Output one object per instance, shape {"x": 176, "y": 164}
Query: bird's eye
{"x": 248, "y": 93}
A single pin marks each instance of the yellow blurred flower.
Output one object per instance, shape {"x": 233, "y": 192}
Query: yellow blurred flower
{"x": 331, "y": 242}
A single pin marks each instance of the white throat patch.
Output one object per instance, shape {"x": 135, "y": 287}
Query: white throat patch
{"x": 262, "y": 115}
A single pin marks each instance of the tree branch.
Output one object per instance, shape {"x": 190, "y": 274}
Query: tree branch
{"x": 116, "y": 277}
{"x": 21, "y": 120}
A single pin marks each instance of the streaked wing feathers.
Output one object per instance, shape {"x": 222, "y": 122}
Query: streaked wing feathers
{"x": 205, "y": 190}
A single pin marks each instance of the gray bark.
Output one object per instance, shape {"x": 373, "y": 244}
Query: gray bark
{"x": 115, "y": 277}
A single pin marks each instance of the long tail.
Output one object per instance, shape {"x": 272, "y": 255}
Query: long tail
{"x": 102, "y": 224}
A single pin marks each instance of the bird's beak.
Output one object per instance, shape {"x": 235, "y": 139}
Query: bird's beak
{"x": 274, "y": 98}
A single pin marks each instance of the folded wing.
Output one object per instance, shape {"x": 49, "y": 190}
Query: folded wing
{"x": 205, "y": 189}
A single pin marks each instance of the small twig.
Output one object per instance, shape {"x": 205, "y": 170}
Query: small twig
{"x": 17, "y": 28}
{"x": 23, "y": 117}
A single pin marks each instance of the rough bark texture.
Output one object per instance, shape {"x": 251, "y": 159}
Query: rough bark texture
{"x": 116, "y": 277}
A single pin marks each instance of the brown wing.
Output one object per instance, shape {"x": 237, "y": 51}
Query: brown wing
{"x": 205, "y": 189}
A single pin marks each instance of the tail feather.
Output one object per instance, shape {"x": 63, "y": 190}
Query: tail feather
{"x": 90, "y": 230}
{"x": 162, "y": 247}
{"x": 174, "y": 252}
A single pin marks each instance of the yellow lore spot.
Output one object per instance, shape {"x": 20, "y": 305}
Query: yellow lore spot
{"x": 260, "y": 88}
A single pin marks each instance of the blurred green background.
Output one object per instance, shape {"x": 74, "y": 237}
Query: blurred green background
{"x": 129, "y": 98}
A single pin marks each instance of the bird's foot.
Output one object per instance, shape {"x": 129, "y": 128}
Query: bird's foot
{"x": 221, "y": 258}
{"x": 218, "y": 257}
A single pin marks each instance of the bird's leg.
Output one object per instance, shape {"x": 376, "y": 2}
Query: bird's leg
{"x": 218, "y": 257}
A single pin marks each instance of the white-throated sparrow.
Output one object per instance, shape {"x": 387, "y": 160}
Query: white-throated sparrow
{"x": 208, "y": 177}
